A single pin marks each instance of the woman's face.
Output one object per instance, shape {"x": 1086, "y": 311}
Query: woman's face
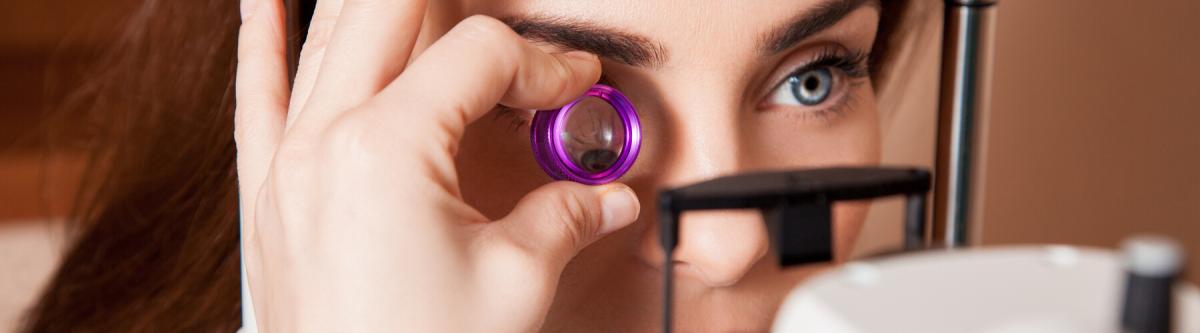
{"x": 722, "y": 87}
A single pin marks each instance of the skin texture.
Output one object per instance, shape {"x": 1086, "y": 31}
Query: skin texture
{"x": 383, "y": 191}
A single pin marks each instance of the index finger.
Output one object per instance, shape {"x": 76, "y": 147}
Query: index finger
{"x": 482, "y": 62}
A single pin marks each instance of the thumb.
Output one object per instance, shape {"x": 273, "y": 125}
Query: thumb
{"x": 560, "y": 219}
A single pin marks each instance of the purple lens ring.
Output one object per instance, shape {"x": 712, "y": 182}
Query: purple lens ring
{"x": 551, "y": 153}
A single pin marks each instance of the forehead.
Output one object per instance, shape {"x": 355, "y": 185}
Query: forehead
{"x": 658, "y": 15}
{"x": 692, "y": 30}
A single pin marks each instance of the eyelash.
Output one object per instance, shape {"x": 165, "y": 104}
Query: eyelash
{"x": 516, "y": 118}
{"x": 848, "y": 66}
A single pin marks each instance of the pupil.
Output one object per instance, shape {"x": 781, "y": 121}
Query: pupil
{"x": 597, "y": 160}
{"x": 812, "y": 83}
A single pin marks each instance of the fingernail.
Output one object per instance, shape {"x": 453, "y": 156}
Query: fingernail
{"x": 620, "y": 208}
{"x": 248, "y": 7}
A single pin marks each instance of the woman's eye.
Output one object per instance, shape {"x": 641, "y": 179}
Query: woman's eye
{"x": 808, "y": 88}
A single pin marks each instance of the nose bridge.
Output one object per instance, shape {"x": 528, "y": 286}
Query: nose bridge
{"x": 719, "y": 247}
{"x": 704, "y": 138}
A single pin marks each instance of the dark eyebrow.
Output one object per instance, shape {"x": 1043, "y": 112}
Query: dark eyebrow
{"x": 620, "y": 46}
{"x": 805, "y": 25}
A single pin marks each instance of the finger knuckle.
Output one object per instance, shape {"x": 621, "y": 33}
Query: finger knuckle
{"x": 350, "y": 135}
{"x": 488, "y": 33}
{"x": 573, "y": 216}
{"x": 483, "y": 27}
{"x": 290, "y": 164}
{"x": 563, "y": 74}
{"x": 577, "y": 207}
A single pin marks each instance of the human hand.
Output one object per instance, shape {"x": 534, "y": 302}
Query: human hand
{"x": 352, "y": 214}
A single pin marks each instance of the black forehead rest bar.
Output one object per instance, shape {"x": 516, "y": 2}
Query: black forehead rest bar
{"x": 763, "y": 189}
{"x": 796, "y": 206}
{"x": 791, "y": 194}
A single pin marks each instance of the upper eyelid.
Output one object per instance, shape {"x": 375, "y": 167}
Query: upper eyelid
{"x": 827, "y": 52}
{"x": 774, "y": 81}
{"x": 857, "y": 72}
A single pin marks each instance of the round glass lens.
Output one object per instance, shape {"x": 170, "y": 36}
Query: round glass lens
{"x": 593, "y": 134}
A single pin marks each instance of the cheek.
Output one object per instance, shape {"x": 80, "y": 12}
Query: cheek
{"x": 848, "y": 221}
{"x": 495, "y": 166}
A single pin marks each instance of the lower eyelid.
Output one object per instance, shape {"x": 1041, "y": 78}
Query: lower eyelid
{"x": 826, "y": 115}
{"x": 844, "y": 103}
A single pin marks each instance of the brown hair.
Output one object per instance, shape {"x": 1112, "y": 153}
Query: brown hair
{"x": 157, "y": 230}
{"x": 156, "y": 245}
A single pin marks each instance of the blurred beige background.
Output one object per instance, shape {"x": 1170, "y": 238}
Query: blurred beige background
{"x": 1093, "y": 132}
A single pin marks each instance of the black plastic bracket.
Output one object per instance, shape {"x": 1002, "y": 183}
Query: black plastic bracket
{"x": 800, "y": 233}
{"x": 797, "y": 208}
